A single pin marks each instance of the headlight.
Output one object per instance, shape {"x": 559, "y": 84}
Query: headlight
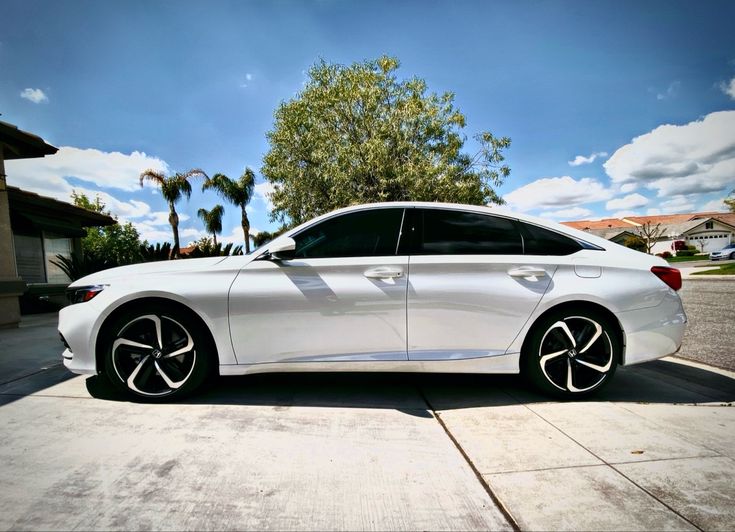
{"x": 84, "y": 293}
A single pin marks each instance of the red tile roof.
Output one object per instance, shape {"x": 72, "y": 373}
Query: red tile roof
{"x": 663, "y": 219}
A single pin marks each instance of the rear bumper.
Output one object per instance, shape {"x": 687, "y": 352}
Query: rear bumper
{"x": 654, "y": 332}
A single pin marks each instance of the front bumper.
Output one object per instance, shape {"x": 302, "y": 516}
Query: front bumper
{"x": 77, "y": 326}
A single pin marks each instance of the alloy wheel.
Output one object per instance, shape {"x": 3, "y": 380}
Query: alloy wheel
{"x": 153, "y": 355}
{"x": 575, "y": 354}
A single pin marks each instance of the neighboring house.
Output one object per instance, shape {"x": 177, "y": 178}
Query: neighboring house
{"x": 708, "y": 231}
{"x": 33, "y": 229}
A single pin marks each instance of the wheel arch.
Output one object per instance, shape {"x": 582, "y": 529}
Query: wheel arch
{"x": 580, "y": 305}
{"x": 143, "y": 303}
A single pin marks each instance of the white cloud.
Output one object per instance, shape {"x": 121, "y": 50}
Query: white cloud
{"x": 105, "y": 169}
{"x": 695, "y": 158}
{"x": 670, "y": 91}
{"x": 581, "y": 159}
{"x": 263, "y": 192}
{"x": 628, "y": 187}
{"x": 248, "y": 76}
{"x": 630, "y": 201}
{"x": 714, "y": 205}
{"x": 677, "y": 204}
{"x": 728, "y": 87}
{"x": 653, "y": 212}
{"x": 552, "y": 192}
{"x": 34, "y": 95}
{"x": 624, "y": 214}
{"x": 567, "y": 214}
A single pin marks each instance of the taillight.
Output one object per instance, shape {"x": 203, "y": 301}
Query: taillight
{"x": 671, "y": 276}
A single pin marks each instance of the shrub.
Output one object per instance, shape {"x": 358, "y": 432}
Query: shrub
{"x": 686, "y": 253}
{"x": 665, "y": 255}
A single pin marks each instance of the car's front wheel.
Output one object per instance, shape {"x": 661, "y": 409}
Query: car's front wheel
{"x": 157, "y": 354}
{"x": 571, "y": 353}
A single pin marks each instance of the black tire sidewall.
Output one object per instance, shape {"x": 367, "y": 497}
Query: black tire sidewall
{"x": 531, "y": 368}
{"x": 203, "y": 345}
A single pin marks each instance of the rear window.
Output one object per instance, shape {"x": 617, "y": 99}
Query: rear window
{"x": 540, "y": 241}
{"x": 445, "y": 232}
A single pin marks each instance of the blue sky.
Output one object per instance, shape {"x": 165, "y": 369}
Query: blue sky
{"x": 641, "y": 94}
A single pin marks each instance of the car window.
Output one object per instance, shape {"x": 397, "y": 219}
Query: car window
{"x": 446, "y": 232}
{"x": 540, "y": 241}
{"x": 369, "y": 233}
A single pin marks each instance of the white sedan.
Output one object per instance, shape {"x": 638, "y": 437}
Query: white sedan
{"x": 417, "y": 287}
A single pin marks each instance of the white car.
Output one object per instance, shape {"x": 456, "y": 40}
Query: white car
{"x": 418, "y": 287}
{"x": 728, "y": 252}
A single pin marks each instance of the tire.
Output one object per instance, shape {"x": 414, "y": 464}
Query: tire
{"x": 571, "y": 353}
{"x": 157, "y": 354}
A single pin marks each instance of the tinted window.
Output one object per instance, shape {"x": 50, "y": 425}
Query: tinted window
{"x": 357, "y": 234}
{"x": 540, "y": 241}
{"x": 445, "y": 232}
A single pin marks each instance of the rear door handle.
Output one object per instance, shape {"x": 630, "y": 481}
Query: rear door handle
{"x": 383, "y": 272}
{"x": 526, "y": 272}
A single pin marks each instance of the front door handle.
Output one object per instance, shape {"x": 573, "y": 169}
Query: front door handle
{"x": 526, "y": 272}
{"x": 383, "y": 272}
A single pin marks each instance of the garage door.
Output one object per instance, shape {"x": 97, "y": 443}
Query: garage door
{"x": 712, "y": 242}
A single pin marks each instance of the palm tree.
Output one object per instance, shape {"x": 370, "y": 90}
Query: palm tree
{"x": 212, "y": 220}
{"x": 172, "y": 188}
{"x": 238, "y": 192}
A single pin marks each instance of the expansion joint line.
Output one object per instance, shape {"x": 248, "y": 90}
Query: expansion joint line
{"x": 506, "y": 513}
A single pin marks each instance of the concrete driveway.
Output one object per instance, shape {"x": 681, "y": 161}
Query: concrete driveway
{"x": 338, "y": 451}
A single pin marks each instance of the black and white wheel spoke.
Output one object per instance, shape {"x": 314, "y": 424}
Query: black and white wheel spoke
{"x": 153, "y": 355}
{"x": 575, "y": 354}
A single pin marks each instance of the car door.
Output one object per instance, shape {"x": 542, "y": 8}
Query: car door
{"x": 342, "y": 298}
{"x": 470, "y": 289}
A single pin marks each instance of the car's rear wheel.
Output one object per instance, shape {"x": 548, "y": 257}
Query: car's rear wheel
{"x": 571, "y": 353}
{"x": 157, "y": 354}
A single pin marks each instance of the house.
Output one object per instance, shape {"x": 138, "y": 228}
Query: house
{"x": 33, "y": 230}
{"x": 708, "y": 231}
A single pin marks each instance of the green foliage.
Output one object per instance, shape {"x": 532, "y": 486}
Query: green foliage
{"x": 115, "y": 245}
{"x": 730, "y": 201}
{"x": 264, "y": 236}
{"x": 206, "y": 247}
{"x": 358, "y": 134}
{"x": 686, "y": 252}
{"x": 238, "y": 193}
{"x": 212, "y": 220}
{"x": 636, "y": 243}
{"x": 79, "y": 266}
{"x": 151, "y": 253}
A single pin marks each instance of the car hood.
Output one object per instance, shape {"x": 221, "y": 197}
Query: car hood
{"x": 148, "y": 268}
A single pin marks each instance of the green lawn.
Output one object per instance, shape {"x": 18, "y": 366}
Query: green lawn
{"x": 726, "y": 269}
{"x": 686, "y": 259}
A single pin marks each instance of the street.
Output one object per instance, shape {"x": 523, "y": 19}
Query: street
{"x": 710, "y": 336}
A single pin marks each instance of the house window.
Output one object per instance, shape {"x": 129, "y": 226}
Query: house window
{"x": 709, "y": 225}
{"x": 54, "y": 245}
{"x": 29, "y": 258}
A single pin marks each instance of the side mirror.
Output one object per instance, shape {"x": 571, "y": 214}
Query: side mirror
{"x": 284, "y": 249}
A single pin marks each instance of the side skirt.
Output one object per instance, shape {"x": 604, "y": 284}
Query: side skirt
{"x": 508, "y": 364}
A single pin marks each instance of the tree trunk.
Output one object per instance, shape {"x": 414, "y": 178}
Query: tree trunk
{"x": 173, "y": 219}
{"x": 246, "y": 229}
{"x": 214, "y": 235}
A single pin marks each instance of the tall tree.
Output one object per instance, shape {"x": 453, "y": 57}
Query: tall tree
{"x": 238, "y": 193}
{"x": 358, "y": 134}
{"x": 730, "y": 201}
{"x": 172, "y": 188}
{"x": 212, "y": 220}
